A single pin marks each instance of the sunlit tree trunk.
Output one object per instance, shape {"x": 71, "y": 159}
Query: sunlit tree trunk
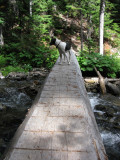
{"x": 1, "y": 37}
{"x": 81, "y": 24}
{"x": 101, "y": 27}
{"x": 89, "y": 31}
{"x": 81, "y": 30}
{"x": 30, "y": 7}
{"x": 13, "y": 3}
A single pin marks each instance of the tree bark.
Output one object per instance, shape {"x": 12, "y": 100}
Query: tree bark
{"x": 1, "y": 37}
{"x": 81, "y": 30}
{"x": 30, "y": 7}
{"x": 81, "y": 25}
{"x": 96, "y": 80}
{"x": 101, "y": 81}
{"x": 89, "y": 30}
{"x": 101, "y": 27}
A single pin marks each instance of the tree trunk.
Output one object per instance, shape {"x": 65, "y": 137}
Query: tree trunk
{"x": 30, "y": 7}
{"x": 81, "y": 25}
{"x": 101, "y": 81}
{"x": 96, "y": 80}
{"x": 101, "y": 27}
{"x": 13, "y": 2}
{"x": 81, "y": 30}
{"x": 89, "y": 30}
{"x": 1, "y": 37}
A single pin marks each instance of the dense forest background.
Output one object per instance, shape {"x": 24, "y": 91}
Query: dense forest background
{"x": 26, "y": 25}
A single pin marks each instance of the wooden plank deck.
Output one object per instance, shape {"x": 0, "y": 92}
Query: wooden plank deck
{"x": 61, "y": 125}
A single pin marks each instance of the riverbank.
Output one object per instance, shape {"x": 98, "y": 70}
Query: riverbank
{"x": 17, "y": 92}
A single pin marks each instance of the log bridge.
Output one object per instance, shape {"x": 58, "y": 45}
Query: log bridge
{"x": 60, "y": 124}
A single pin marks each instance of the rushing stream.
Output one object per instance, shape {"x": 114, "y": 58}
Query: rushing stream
{"x": 108, "y": 119}
{"x": 15, "y": 102}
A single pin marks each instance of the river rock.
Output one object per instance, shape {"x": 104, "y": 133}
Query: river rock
{"x": 117, "y": 121}
{"x": 101, "y": 108}
{"x": 17, "y": 76}
{"x": 2, "y": 146}
{"x": 36, "y": 72}
{"x": 1, "y": 76}
{"x": 117, "y": 83}
{"x": 2, "y": 107}
{"x": 92, "y": 87}
{"x": 109, "y": 110}
{"x": 3, "y": 93}
{"x": 1, "y": 142}
{"x": 112, "y": 99}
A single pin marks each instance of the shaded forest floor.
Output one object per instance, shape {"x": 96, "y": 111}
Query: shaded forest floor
{"x": 69, "y": 29}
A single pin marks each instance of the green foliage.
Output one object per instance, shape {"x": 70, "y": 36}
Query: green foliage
{"x": 113, "y": 37}
{"x": 45, "y": 57}
{"x": 34, "y": 57}
{"x": 41, "y": 20}
{"x": 108, "y": 64}
{"x": 3, "y": 61}
{"x": 26, "y": 36}
{"x": 1, "y": 20}
{"x": 116, "y": 27}
{"x": 9, "y": 69}
{"x": 27, "y": 67}
{"x": 115, "y": 10}
{"x": 51, "y": 58}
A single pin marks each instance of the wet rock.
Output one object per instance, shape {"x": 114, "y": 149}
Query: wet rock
{"x": 30, "y": 90}
{"x": 118, "y": 84}
{"x": 101, "y": 108}
{"x": 2, "y": 93}
{"x": 99, "y": 117}
{"x": 17, "y": 76}
{"x": 36, "y": 72}
{"x": 117, "y": 121}
{"x": 2, "y": 107}
{"x": 112, "y": 88}
{"x": 111, "y": 120}
{"x": 1, "y": 76}
{"x": 1, "y": 142}
{"x": 110, "y": 112}
{"x": 114, "y": 100}
{"x": 92, "y": 87}
{"x": 2, "y": 146}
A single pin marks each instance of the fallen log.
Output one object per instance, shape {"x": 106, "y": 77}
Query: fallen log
{"x": 96, "y": 79}
{"x": 101, "y": 81}
{"x": 112, "y": 88}
{"x": 112, "y": 85}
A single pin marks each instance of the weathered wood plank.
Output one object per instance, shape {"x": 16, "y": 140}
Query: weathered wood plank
{"x": 61, "y": 125}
